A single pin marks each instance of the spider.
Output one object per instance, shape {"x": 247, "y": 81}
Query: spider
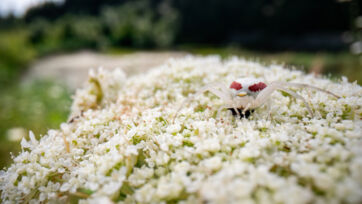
{"x": 244, "y": 95}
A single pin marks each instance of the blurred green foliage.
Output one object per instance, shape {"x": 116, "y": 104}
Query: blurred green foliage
{"x": 132, "y": 24}
{"x": 258, "y": 23}
{"x": 36, "y": 106}
{"x": 16, "y": 53}
{"x": 42, "y": 101}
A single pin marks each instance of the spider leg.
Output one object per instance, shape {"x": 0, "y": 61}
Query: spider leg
{"x": 269, "y": 105}
{"x": 237, "y": 112}
{"x": 246, "y": 108}
{"x": 295, "y": 95}
{"x": 310, "y": 87}
{"x": 220, "y": 109}
{"x": 213, "y": 88}
{"x": 216, "y": 88}
{"x": 269, "y": 110}
{"x": 263, "y": 95}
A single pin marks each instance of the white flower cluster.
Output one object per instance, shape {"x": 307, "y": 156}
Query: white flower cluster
{"x": 122, "y": 146}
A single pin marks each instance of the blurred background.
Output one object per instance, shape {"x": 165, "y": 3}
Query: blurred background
{"x": 47, "y": 46}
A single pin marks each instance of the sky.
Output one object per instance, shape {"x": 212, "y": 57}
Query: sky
{"x": 19, "y": 7}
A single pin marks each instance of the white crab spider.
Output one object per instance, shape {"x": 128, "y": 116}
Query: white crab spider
{"x": 246, "y": 94}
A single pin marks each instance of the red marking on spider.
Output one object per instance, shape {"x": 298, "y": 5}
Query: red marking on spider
{"x": 257, "y": 87}
{"x": 235, "y": 85}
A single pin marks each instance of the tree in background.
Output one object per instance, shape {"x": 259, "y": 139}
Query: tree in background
{"x": 278, "y": 24}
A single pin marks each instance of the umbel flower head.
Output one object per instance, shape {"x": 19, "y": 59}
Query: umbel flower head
{"x": 121, "y": 144}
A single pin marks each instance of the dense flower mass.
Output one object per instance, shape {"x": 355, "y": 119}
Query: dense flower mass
{"x": 122, "y": 145}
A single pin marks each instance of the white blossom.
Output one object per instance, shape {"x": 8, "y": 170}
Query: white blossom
{"x": 124, "y": 145}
